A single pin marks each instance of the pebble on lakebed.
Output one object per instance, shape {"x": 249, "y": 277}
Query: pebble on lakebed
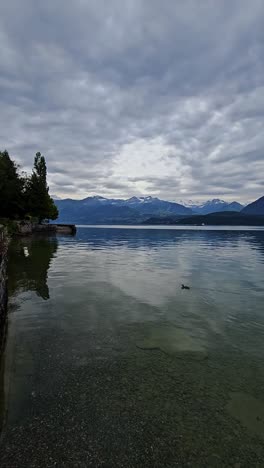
{"x": 249, "y": 411}
{"x": 173, "y": 341}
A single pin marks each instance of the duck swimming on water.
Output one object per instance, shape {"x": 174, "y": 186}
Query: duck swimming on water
{"x": 185, "y": 287}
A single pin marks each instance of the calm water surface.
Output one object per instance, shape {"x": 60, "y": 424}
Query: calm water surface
{"x": 108, "y": 362}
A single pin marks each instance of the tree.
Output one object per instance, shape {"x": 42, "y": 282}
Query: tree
{"x": 53, "y": 210}
{"x": 39, "y": 202}
{"x": 11, "y": 188}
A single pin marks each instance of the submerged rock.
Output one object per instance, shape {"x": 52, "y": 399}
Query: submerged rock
{"x": 249, "y": 411}
{"x": 174, "y": 341}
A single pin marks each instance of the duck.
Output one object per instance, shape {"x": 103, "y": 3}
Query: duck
{"x": 185, "y": 287}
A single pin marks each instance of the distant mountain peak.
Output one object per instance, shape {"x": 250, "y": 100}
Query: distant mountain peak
{"x": 96, "y": 197}
{"x": 97, "y": 209}
{"x": 212, "y": 206}
{"x": 141, "y": 199}
{"x": 132, "y": 199}
{"x": 255, "y": 208}
{"x": 216, "y": 200}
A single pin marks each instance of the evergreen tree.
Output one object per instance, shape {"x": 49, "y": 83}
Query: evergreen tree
{"x": 39, "y": 202}
{"x": 11, "y": 188}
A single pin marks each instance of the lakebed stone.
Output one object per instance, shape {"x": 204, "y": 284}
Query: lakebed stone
{"x": 173, "y": 341}
{"x": 249, "y": 411}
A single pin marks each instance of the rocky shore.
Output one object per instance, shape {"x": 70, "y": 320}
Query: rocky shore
{"x": 25, "y": 228}
{"x": 3, "y": 281}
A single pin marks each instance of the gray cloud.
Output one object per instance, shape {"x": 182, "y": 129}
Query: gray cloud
{"x": 136, "y": 97}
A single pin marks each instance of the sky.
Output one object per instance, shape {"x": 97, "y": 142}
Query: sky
{"x": 136, "y": 97}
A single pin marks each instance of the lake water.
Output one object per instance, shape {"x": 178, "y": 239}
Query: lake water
{"x": 109, "y": 363}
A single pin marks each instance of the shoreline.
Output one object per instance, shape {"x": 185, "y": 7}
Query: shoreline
{"x": 24, "y": 228}
{"x": 3, "y": 283}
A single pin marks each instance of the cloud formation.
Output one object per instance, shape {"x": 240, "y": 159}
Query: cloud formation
{"x": 137, "y": 97}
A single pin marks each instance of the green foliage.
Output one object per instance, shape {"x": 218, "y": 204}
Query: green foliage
{"x": 11, "y": 188}
{"x": 53, "y": 212}
{"x": 12, "y": 228}
{"x": 40, "y": 168}
{"x": 39, "y": 202}
{"x": 10, "y": 225}
{"x": 22, "y": 196}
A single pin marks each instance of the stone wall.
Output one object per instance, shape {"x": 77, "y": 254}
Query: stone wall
{"x": 3, "y": 281}
{"x": 24, "y": 228}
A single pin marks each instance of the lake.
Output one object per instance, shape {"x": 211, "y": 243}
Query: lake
{"x": 109, "y": 363}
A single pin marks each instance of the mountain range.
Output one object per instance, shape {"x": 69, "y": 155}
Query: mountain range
{"x": 212, "y": 206}
{"x": 255, "y": 208}
{"x": 135, "y": 210}
{"x": 100, "y": 210}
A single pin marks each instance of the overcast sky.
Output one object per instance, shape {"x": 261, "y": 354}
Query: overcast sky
{"x": 134, "y": 97}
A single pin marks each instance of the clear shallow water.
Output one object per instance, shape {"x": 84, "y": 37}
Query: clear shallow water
{"x": 109, "y": 363}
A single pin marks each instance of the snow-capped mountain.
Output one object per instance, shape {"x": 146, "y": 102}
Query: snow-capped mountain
{"x": 212, "y": 206}
{"x": 190, "y": 203}
{"x": 97, "y": 209}
{"x": 134, "y": 200}
{"x": 153, "y": 205}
